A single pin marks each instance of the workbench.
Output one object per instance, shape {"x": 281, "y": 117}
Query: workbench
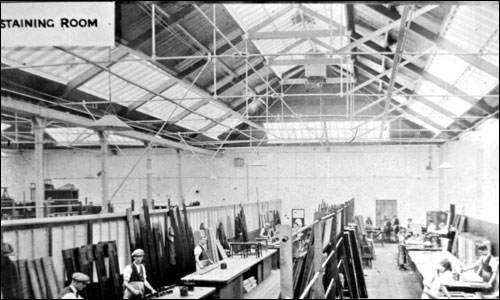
{"x": 198, "y": 293}
{"x": 424, "y": 263}
{"x": 229, "y": 282}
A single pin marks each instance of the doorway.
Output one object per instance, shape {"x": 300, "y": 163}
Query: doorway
{"x": 385, "y": 208}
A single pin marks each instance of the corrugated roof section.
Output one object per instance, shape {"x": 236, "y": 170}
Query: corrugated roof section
{"x": 197, "y": 122}
{"x": 142, "y": 73}
{"x": 79, "y": 136}
{"x": 39, "y": 56}
{"x": 215, "y": 131}
{"x": 473, "y": 26}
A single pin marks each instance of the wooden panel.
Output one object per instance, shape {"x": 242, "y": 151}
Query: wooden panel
{"x": 385, "y": 209}
{"x": 33, "y": 279}
{"x": 27, "y": 291}
{"x": 286, "y": 262}
{"x": 52, "y": 285}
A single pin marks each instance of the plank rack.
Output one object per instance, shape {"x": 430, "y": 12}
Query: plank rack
{"x": 305, "y": 274}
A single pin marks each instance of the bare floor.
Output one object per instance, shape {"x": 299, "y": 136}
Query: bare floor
{"x": 385, "y": 281}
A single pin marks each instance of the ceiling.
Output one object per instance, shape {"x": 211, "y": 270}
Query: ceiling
{"x": 262, "y": 75}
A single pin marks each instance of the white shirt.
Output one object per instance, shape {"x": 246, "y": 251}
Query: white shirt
{"x": 127, "y": 272}
{"x": 72, "y": 295}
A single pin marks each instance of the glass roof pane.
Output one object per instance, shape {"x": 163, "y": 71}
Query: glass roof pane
{"x": 215, "y": 131}
{"x": 5, "y": 126}
{"x": 314, "y": 131}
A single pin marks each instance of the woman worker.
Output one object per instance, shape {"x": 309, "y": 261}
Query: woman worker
{"x": 435, "y": 287}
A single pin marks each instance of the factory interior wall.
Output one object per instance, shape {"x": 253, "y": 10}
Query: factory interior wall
{"x": 301, "y": 176}
{"x": 472, "y": 185}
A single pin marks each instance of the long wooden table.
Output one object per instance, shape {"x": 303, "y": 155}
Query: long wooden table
{"x": 229, "y": 282}
{"x": 424, "y": 263}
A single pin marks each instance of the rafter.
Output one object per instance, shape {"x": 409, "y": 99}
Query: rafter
{"x": 270, "y": 19}
{"x": 403, "y": 31}
{"x": 52, "y": 114}
{"x": 279, "y": 35}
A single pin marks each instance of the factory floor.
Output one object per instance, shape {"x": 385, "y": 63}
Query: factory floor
{"x": 385, "y": 281}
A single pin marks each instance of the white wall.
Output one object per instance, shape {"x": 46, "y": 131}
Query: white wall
{"x": 473, "y": 183}
{"x": 300, "y": 176}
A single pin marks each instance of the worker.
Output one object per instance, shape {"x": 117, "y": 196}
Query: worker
{"x": 487, "y": 265}
{"x": 200, "y": 254}
{"x": 10, "y": 280}
{"x": 134, "y": 277}
{"x": 267, "y": 232}
{"x": 78, "y": 283}
{"x": 395, "y": 226}
{"x": 434, "y": 287}
{"x": 402, "y": 249}
{"x": 387, "y": 229}
{"x": 368, "y": 224}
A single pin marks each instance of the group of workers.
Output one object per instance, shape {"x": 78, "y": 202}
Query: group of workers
{"x": 486, "y": 268}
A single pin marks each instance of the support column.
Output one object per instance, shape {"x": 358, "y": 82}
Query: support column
{"x": 103, "y": 137}
{"x": 38, "y": 127}
{"x": 442, "y": 180}
{"x": 180, "y": 179}
{"x": 149, "y": 177}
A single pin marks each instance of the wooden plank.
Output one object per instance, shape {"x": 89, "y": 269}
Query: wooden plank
{"x": 26, "y": 289}
{"x": 50, "y": 277}
{"x": 69, "y": 264}
{"x": 160, "y": 248}
{"x": 286, "y": 262}
{"x": 146, "y": 243}
{"x": 114, "y": 270}
{"x": 358, "y": 265}
{"x": 102, "y": 277}
{"x": 33, "y": 278}
{"x": 222, "y": 252}
{"x": 131, "y": 228}
{"x": 153, "y": 257}
{"x": 318, "y": 288}
{"x": 41, "y": 278}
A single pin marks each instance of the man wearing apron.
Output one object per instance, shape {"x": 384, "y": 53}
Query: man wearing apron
{"x": 134, "y": 277}
{"x": 200, "y": 254}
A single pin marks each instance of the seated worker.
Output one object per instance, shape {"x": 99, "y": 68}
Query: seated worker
{"x": 78, "y": 283}
{"x": 487, "y": 265}
{"x": 134, "y": 277}
{"x": 201, "y": 255}
{"x": 434, "y": 287}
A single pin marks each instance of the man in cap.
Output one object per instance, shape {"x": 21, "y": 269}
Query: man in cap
{"x": 134, "y": 277}
{"x": 9, "y": 279}
{"x": 78, "y": 283}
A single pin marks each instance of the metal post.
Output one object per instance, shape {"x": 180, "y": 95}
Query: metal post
{"x": 180, "y": 191}
{"x": 149, "y": 176}
{"x": 103, "y": 137}
{"x": 38, "y": 127}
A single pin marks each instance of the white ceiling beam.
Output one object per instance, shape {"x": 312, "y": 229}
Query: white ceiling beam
{"x": 296, "y": 81}
{"x": 70, "y": 119}
{"x": 312, "y": 61}
{"x": 280, "y": 35}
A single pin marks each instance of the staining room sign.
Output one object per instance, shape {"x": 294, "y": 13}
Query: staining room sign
{"x": 33, "y": 24}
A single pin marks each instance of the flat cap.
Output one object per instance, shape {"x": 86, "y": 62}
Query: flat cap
{"x": 138, "y": 252}
{"x": 7, "y": 249}
{"x": 77, "y": 276}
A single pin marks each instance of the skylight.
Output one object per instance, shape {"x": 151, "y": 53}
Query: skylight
{"x": 5, "y": 126}
{"x": 337, "y": 131}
